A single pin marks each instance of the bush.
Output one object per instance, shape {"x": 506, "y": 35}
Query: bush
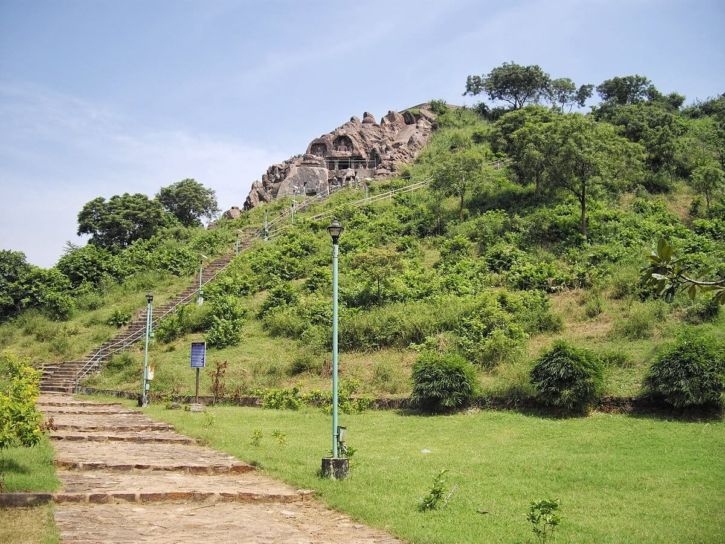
{"x": 19, "y": 418}
{"x": 690, "y": 373}
{"x": 223, "y": 332}
{"x": 119, "y": 318}
{"x": 491, "y": 333}
{"x": 703, "y": 311}
{"x": 442, "y": 381}
{"x": 568, "y": 378}
{"x": 279, "y": 296}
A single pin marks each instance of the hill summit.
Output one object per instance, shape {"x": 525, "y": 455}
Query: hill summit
{"x": 354, "y": 151}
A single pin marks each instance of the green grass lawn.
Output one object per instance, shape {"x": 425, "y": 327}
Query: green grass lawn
{"x": 619, "y": 479}
{"x": 33, "y": 525}
{"x": 29, "y": 469}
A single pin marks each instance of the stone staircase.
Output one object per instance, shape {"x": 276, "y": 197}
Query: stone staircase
{"x": 65, "y": 377}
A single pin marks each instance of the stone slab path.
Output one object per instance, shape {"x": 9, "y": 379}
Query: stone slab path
{"x": 126, "y": 478}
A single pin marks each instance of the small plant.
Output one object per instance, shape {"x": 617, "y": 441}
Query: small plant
{"x": 567, "y": 377}
{"x": 544, "y": 518}
{"x": 438, "y": 496}
{"x": 218, "y": 382}
{"x": 280, "y": 436}
{"x": 256, "y": 438}
{"x": 442, "y": 381}
{"x": 209, "y": 419}
{"x": 119, "y": 318}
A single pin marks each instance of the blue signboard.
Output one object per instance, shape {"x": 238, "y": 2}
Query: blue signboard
{"x": 198, "y": 354}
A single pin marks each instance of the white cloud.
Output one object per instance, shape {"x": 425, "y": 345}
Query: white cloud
{"x": 59, "y": 152}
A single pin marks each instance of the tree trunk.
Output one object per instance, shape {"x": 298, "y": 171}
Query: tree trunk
{"x": 460, "y": 210}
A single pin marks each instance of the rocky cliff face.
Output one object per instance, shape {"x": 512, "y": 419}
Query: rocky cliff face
{"x": 353, "y": 152}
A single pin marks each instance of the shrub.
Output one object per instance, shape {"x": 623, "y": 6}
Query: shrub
{"x": 690, "y": 373}
{"x": 442, "y": 381}
{"x": 279, "y": 296}
{"x": 223, "y": 332}
{"x": 19, "y": 418}
{"x": 119, "y": 318}
{"x": 703, "y": 311}
{"x": 490, "y": 334}
{"x": 568, "y": 378}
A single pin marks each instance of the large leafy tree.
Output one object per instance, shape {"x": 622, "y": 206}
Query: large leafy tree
{"x": 579, "y": 155}
{"x": 116, "y": 223}
{"x": 652, "y": 125}
{"x": 189, "y": 201}
{"x": 512, "y": 83}
{"x": 627, "y": 89}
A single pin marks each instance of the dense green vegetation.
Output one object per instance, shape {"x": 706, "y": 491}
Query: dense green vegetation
{"x": 619, "y": 479}
{"x": 534, "y": 229}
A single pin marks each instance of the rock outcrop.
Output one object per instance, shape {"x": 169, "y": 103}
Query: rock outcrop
{"x": 352, "y": 152}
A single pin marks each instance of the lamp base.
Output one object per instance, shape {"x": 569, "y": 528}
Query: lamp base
{"x": 336, "y": 468}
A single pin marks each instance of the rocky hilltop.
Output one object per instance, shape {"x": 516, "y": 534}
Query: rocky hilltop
{"x": 355, "y": 151}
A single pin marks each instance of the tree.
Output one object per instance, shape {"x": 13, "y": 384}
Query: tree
{"x": 189, "y": 201}
{"x": 627, "y": 90}
{"x": 379, "y": 265}
{"x": 580, "y": 154}
{"x": 459, "y": 174}
{"x": 513, "y": 83}
{"x": 14, "y": 270}
{"x": 650, "y": 124}
{"x": 118, "y": 222}
{"x": 563, "y": 93}
{"x": 19, "y": 418}
{"x": 709, "y": 180}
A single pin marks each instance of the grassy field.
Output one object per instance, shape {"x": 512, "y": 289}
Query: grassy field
{"x": 28, "y": 469}
{"x": 620, "y": 479}
{"x": 28, "y": 525}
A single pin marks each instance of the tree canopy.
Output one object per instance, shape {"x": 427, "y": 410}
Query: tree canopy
{"x": 189, "y": 201}
{"x": 512, "y": 83}
{"x": 118, "y": 222}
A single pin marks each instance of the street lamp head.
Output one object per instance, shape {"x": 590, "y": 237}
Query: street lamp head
{"x": 149, "y": 298}
{"x": 335, "y": 229}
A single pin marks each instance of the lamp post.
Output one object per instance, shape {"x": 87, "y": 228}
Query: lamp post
{"x": 335, "y": 467}
{"x": 149, "y": 322}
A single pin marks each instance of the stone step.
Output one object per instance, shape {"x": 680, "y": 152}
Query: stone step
{"x": 249, "y": 485}
{"x": 138, "y": 437}
{"x": 55, "y": 389}
{"x": 113, "y": 427}
{"x": 192, "y": 459}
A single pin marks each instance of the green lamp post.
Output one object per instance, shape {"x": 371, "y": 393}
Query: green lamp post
{"x": 149, "y": 323}
{"x": 335, "y": 466}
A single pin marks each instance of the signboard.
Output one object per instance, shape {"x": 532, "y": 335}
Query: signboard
{"x": 198, "y": 354}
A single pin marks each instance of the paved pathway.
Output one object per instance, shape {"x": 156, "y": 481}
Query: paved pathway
{"x": 126, "y": 478}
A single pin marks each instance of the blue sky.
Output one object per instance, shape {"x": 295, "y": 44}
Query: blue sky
{"x": 103, "y": 97}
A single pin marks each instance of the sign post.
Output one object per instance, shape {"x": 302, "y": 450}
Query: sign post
{"x": 198, "y": 361}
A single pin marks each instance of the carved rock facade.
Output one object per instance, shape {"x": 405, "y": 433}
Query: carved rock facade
{"x": 352, "y": 152}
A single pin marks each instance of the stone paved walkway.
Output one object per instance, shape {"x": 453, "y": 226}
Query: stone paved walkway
{"x": 126, "y": 478}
